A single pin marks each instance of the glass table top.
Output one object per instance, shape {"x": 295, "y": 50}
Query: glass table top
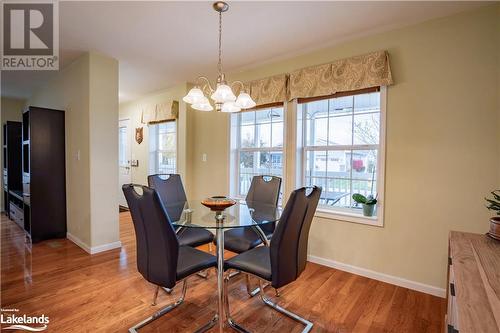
{"x": 192, "y": 214}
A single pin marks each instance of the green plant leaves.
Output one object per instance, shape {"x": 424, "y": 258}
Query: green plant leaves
{"x": 359, "y": 198}
{"x": 494, "y": 204}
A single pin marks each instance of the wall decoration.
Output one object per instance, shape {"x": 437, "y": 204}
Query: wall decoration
{"x": 139, "y": 135}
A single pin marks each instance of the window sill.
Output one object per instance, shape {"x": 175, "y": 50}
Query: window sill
{"x": 348, "y": 216}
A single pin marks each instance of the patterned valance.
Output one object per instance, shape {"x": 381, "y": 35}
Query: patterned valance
{"x": 345, "y": 75}
{"x": 365, "y": 71}
{"x": 268, "y": 90}
{"x": 159, "y": 113}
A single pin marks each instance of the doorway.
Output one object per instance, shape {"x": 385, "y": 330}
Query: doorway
{"x": 124, "y": 157}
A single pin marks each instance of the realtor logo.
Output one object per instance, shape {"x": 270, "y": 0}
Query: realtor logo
{"x": 23, "y": 322}
{"x": 30, "y": 35}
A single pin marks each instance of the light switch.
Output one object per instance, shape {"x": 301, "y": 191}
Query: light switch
{"x": 204, "y": 157}
{"x": 77, "y": 155}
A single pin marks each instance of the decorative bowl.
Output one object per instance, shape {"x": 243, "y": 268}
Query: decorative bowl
{"x": 218, "y": 203}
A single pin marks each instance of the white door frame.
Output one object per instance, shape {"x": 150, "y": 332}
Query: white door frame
{"x": 124, "y": 170}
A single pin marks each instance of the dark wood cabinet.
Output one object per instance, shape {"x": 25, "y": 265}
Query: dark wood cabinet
{"x": 11, "y": 172}
{"x": 44, "y": 173}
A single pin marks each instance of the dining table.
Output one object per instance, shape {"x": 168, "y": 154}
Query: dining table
{"x": 243, "y": 214}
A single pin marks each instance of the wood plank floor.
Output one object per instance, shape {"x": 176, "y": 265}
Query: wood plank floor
{"x": 105, "y": 293}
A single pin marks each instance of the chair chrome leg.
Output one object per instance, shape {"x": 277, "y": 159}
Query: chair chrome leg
{"x": 155, "y": 296}
{"x": 249, "y": 288}
{"x": 262, "y": 235}
{"x": 234, "y": 273}
{"x": 203, "y": 274}
{"x": 251, "y": 292}
{"x": 278, "y": 308}
{"x": 167, "y": 290}
{"x": 208, "y": 325}
{"x": 162, "y": 311}
{"x": 230, "y": 320}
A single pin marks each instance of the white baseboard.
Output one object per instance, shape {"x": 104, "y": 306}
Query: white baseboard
{"x": 105, "y": 247}
{"x": 78, "y": 242}
{"x": 425, "y": 288}
{"x": 95, "y": 249}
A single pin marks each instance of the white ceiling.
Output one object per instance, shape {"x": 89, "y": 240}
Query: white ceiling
{"x": 160, "y": 44}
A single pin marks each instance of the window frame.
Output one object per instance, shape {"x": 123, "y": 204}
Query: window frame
{"x": 154, "y": 136}
{"x": 235, "y": 148}
{"x": 339, "y": 213}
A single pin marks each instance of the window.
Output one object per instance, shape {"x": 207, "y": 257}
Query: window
{"x": 339, "y": 145}
{"x": 122, "y": 147}
{"x": 163, "y": 147}
{"x": 257, "y": 146}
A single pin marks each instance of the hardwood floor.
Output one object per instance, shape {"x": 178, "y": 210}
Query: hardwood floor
{"x": 105, "y": 293}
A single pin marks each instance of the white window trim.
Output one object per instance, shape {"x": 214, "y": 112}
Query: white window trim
{"x": 154, "y": 137}
{"x": 234, "y": 168}
{"x": 346, "y": 214}
{"x": 291, "y": 160}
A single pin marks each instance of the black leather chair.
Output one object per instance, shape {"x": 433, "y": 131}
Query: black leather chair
{"x": 263, "y": 190}
{"x": 285, "y": 259}
{"x": 161, "y": 260}
{"x": 171, "y": 190}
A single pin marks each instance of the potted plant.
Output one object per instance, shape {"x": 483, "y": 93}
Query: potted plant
{"x": 494, "y": 205}
{"x": 368, "y": 203}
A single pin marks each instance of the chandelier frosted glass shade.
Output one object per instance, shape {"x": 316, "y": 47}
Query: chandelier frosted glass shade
{"x": 244, "y": 101}
{"x": 223, "y": 98}
{"x": 230, "y": 107}
{"x": 223, "y": 94}
{"x": 194, "y": 96}
{"x": 203, "y": 105}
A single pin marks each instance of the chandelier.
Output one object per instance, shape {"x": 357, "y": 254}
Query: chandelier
{"x": 222, "y": 96}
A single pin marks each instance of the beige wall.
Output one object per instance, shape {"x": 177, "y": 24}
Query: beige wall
{"x": 132, "y": 110}
{"x": 87, "y": 91}
{"x": 103, "y": 113}
{"x": 442, "y": 153}
{"x": 498, "y": 90}
{"x": 11, "y": 110}
{"x": 210, "y": 136}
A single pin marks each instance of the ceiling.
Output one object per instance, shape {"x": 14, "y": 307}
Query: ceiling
{"x": 161, "y": 44}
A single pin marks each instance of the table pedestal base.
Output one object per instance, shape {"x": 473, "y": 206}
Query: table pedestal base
{"x": 222, "y": 296}
{"x": 219, "y": 234}
{"x": 223, "y": 315}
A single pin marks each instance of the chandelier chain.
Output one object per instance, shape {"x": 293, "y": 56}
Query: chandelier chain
{"x": 222, "y": 95}
{"x": 219, "y": 66}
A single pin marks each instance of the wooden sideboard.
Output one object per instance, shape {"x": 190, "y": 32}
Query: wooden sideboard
{"x": 473, "y": 291}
